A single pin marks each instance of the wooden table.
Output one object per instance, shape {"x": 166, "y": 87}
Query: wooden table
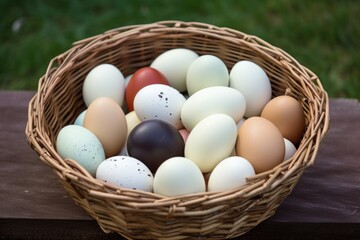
{"x": 325, "y": 204}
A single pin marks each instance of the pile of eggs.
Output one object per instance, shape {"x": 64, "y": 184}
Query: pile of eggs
{"x": 184, "y": 124}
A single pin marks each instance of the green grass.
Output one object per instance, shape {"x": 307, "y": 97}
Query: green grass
{"x": 322, "y": 35}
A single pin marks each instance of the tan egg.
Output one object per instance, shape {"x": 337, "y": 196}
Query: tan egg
{"x": 106, "y": 119}
{"x": 287, "y": 115}
{"x": 261, "y": 143}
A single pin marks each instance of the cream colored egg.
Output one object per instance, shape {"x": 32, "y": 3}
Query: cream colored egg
{"x": 104, "y": 80}
{"x": 212, "y": 100}
{"x": 206, "y": 71}
{"x": 106, "y": 119}
{"x": 178, "y": 176}
{"x": 230, "y": 173}
{"x": 174, "y": 65}
{"x": 211, "y": 140}
{"x": 132, "y": 121}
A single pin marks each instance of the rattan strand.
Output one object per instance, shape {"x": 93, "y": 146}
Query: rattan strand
{"x": 140, "y": 215}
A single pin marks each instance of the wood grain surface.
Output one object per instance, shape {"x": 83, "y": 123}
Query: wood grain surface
{"x": 327, "y": 193}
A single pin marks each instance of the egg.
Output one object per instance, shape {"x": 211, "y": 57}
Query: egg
{"x": 184, "y": 133}
{"x": 159, "y": 101}
{"x": 143, "y": 77}
{"x": 127, "y": 80}
{"x": 106, "y": 119}
{"x": 80, "y": 118}
{"x": 242, "y": 120}
{"x": 174, "y": 65}
{"x": 230, "y": 173}
{"x": 178, "y": 176}
{"x": 288, "y": 116}
{"x": 78, "y": 143}
{"x": 206, "y": 71}
{"x": 290, "y": 149}
{"x": 153, "y": 142}
{"x": 252, "y": 81}
{"x": 104, "y": 80}
{"x": 210, "y": 141}
{"x": 125, "y": 172}
{"x": 211, "y": 100}
{"x": 132, "y": 120}
{"x": 261, "y": 143}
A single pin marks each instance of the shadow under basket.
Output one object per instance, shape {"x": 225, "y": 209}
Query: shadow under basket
{"x": 136, "y": 214}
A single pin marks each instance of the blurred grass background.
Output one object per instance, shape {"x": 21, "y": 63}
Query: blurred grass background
{"x": 322, "y": 35}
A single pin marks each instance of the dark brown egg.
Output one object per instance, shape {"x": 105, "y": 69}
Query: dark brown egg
{"x": 153, "y": 142}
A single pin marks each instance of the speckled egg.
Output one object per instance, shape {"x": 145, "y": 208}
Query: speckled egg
{"x": 159, "y": 101}
{"x": 125, "y": 172}
{"x": 80, "y": 144}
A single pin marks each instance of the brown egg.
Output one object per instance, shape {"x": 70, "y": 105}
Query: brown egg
{"x": 261, "y": 143}
{"x": 287, "y": 115}
{"x": 105, "y": 118}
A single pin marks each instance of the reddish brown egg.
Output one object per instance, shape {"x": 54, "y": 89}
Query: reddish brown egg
{"x": 143, "y": 77}
{"x": 287, "y": 115}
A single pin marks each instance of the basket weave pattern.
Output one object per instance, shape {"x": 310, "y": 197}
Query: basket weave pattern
{"x": 141, "y": 215}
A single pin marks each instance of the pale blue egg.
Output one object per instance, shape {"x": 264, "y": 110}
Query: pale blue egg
{"x": 80, "y": 144}
{"x": 80, "y": 119}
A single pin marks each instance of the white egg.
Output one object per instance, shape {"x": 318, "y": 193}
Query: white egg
{"x": 80, "y": 144}
{"x": 212, "y": 100}
{"x": 104, "y": 80}
{"x": 125, "y": 172}
{"x": 127, "y": 79}
{"x": 178, "y": 176}
{"x": 206, "y": 71}
{"x": 159, "y": 101}
{"x": 174, "y": 64}
{"x": 290, "y": 149}
{"x": 211, "y": 140}
{"x": 251, "y": 80}
{"x": 242, "y": 120}
{"x": 80, "y": 119}
{"x": 230, "y": 173}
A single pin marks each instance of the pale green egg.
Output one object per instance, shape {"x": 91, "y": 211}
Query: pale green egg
{"x": 80, "y": 144}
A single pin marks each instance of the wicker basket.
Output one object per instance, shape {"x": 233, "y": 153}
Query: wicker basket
{"x": 141, "y": 215}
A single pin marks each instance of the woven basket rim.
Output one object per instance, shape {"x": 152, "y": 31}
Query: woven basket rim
{"x": 71, "y": 171}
